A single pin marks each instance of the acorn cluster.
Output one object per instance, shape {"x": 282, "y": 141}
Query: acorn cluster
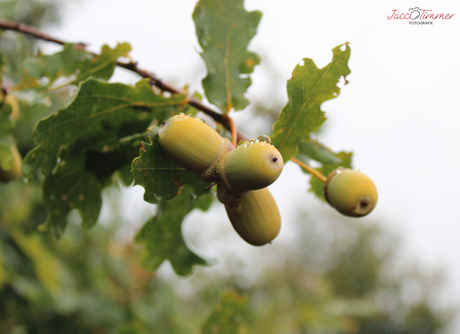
{"x": 242, "y": 174}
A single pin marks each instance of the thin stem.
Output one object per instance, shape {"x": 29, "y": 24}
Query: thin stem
{"x": 232, "y": 130}
{"x": 8, "y": 25}
{"x": 312, "y": 171}
{"x": 131, "y": 66}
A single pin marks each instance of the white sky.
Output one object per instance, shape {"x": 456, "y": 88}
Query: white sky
{"x": 400, "y": 113}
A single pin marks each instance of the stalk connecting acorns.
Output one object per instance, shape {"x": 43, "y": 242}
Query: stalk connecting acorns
{"x": 351, "y": 192}
{"x": 239, "y": 173}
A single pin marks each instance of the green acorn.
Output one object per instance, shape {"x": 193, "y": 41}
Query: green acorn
{"x": 351, "y": 192}
{"x": 253, "y": 165}
{"x": 190, "y": 142}
{"x": 257, "y": 218}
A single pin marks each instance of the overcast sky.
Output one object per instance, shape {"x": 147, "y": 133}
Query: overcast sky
{"x": 399, "y": 114}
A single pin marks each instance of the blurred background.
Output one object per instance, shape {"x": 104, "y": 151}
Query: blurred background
{"x": 395, "y": 271}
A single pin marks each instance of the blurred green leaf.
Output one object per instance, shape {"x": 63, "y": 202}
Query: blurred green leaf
{"x": 132, "y": 328}
{"x": 74, "y": 61}
{"x": 3, "y": 273}
{"x": 162, "y": 235}
{"x": 6, "y": 126}
{"x": 46, "y": 264}
{"x": 6, "y": 139}
{"x": 6, "y": 155}
{"x": 225, "y": 319}
{"x": 160, "y": 176}
{"x": 224, "y": 29}
{"x": 308, "y": 88}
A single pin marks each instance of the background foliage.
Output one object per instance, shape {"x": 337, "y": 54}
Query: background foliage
{"x": 336, "y": 277}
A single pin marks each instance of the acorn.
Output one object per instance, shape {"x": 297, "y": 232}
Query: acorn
{"x": 15, "y": 169}
{"x": 253, "y": 165}
{"x": 257, "y": 219}
{"x": 190, "y": 142}
{"x": 350, "y": 192}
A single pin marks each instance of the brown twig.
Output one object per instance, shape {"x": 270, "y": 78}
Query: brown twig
{"x": 131, "y": 66}
{"x": 224, "y": 119}
{"x": 8, "y": 25}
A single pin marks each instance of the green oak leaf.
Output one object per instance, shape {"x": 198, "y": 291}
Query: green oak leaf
{"x": 308, "y": 88}
{"x": 72, "y": 187}
{"x": 317, "y": 185}
{"x": 78, "y": 182}
{"x": 160, "y": 176}
{"x": 162, "y": 235}
{"x": 99, "y": 116}
{"x": 83, "y": 145}
{"x": 224, "y": 29}
{"x": 75, "y": 62}
{"x": 313, "y": 149}
{"x": 225, "y": 318}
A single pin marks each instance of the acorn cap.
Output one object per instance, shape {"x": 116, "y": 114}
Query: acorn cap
{"x": 190, "y": 142}
{"x": 257, "y": 219}
{"x": 253, "y": 166}
{"x": 351, "y": 192}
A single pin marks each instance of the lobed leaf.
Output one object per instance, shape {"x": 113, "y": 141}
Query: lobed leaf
{"x": 72, "y": 187}
{"x": 160, "y": 176}
{"x": 99, "y": 116}
{"x": 225, "y": 319}
{"x": 308, "y": 88}
{"x": 84, "y": 144}
{"x": 77, "y": 184}
{"x": 162, "y": 235}
{"x": 224, "y": 29}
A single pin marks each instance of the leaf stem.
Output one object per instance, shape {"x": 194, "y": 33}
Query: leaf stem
{"x": 233, "y": 129}
{"x": 312, "y": 171}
